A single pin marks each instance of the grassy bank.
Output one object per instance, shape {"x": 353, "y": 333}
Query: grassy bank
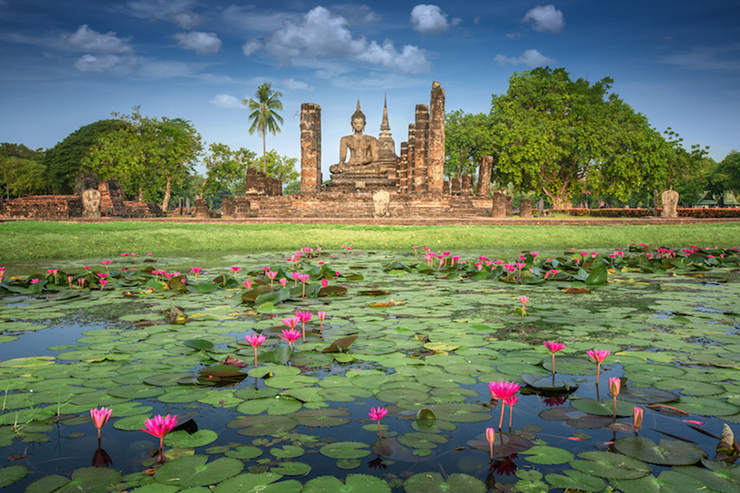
{"x": 38, "y": 240}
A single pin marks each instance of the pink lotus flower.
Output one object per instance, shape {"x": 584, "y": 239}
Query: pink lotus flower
{"x": 34, "y": 281}
{"x": 304, "y": 317}
{"x": 291, "y": 322}
{"x": 615, "y": 384}
{"x": 271, "y": 275}
{"x": 103, "y": 282}
{"x": 69, "y": 280}
{"x": 637, "y": 418}
{"x": 236, "y": 269}
{"x": 160, "y": 426}
{"x": 554, "y": 347}
{"x": 255, "y": 340}
{"x": 503, "y": 390}
{"x": 102, "y": 274}
{"x": 54, "y": 272}
{"x": 378, "y": 413}
{"x": 248, "y": 284}
{"x": 491, "y": 437}
{"x": 510, "y": 402}
{"x": 324, "y": 283}
{"x": 524, "y": 300}
{"x": 598, "y": 355}
{"x": 196, "y": 271}
{"x": 124, "y": 255}
{"x": 100, "y": 417}
{"x": 283, "y": 282}
{"x": 106, "y": 263}
{"x": 290, "y": 335}
{"x": 322, "y": 315}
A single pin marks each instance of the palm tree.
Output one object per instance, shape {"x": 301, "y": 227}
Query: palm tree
{"x": 264, "y": 115}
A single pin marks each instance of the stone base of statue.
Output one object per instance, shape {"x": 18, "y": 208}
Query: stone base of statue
{"x": 370, "y": 177}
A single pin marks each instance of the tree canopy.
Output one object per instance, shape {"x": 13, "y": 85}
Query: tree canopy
{"x": 551, "y": 132}
{"x": 21, "y": 170}
{"x": 467, "y": 138}
{"x": 264, "y": 116}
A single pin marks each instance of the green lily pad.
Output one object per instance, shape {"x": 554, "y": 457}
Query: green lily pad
{"x": 291, "y": 469}
{"x": 182, "y": 439}
{"x": 603, "y": 408}
{"x": 544, "y": 454}
{"x": 12, "y": 474}
{"x": 704, "y": 406}
{"x": 197, "y": 471}
{"x": 666, "y": 453}
{"x": 287, "y": 452}
{"x": 243, "y": 452}
{"x": 250, "y": 483}
{"x": 576, "y": 481}
{"x": 421, "y": 440}
{"x": 433, "y": 482}
{"x": 92, "y": 479}
{"x": 646, "y": 395}
{"x": 273, "y": 405}
{"x": 345, "y": 450}
{"x": 263, "y": 425}
{"x": 322, "y": 417}
{"x": 355, "y": 483}
{"x": 610, "y": 465}
{"x": 667, "y": 482}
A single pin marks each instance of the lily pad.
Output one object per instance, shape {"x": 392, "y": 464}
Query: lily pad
{"x": 544, "y": 454}
{"x": 666, "y": 453}
{"x": 355, "y": 483}
{"x": 610, "y": 465}
{"x": 576, "y": 481}
{"x": 433, "y": 482}
{"x": 12, "y": 474}
{"x": 345, "y": 450}
{"x": 197, "y": 471}
{"x": 182, "y": 438}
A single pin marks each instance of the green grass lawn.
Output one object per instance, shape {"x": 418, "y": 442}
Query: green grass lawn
{"x": 27, "y": 240}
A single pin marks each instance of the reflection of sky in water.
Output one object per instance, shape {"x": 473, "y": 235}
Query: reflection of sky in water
{"x": 34, "y": 343}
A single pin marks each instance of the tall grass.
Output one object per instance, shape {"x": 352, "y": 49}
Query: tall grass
{"x": 26, "y": 240}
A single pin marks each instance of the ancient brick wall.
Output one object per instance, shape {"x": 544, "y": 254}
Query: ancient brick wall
{"x": 143, "y": 209}
{"x": 310, "y": 148}
{"x": 436, "y": 152}
{"x": 111, "y": 199}
{"x": 44, "y": 207}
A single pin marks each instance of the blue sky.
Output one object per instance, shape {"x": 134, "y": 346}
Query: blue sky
{"x": 64, "y": 64}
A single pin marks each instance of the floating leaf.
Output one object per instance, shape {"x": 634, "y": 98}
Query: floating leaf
{"x": 12, "y": 474}
{"x": 433, "y": 482}
{"x": 345, "y": 450}
{"x": 356, "y": 483}
{"x": 610, "y": 465}
{"x": 544, "y": 454}
{"x": 576, "y": 480}
{"x": 341, "y": 344}
{"x": 667, "y": 452}
{"x": 197, "y": 471}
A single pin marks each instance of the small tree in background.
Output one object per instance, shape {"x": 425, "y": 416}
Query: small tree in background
{"x": 264, "y": 116}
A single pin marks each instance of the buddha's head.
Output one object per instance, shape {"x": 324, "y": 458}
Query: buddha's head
{"x": 358, "y": 119}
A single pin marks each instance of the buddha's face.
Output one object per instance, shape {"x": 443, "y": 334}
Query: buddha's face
{"x": 358, "y": 124}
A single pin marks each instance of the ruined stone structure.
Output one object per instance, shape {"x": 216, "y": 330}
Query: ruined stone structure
{"x": 413, "y": 179}
{"x": 484, "y": 176}
{"x": 525, "y": 208}
{"x": 260, "y": 184}
{"x": 670, "y": 203}
{"x": 227, "y": 206}
{"x": 48, "y": 207}
{"x": 90, "y": 203}
{"x": 142, "y": 209}
{"x": 111, "y": 198}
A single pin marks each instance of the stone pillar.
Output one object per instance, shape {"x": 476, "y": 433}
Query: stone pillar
{"x": 90, "y": 203}
{"x": 670, "y": 204}
{"x": 381, "y": 203}
{"x": 525, "y": 209}
{"x": 227, "y": 206}
{"x": 509, "y": 206}
{"x": 187, "y": 205}
{"x": 466, "y": 185}
{"x": 436, "y": 161}
{"x": 310, "y": 148}
{"x": 499, "y": 204}
{"x": 541, "y": 206}
{"x": 242, "y": 207}
{"x": 403, "y": 169}
{"x": 421, "y": 148}
{"x": 179, "y": 207}
{"x": 454, "y": 186}
{"x": 484, "y": 176}
{"x": 250, "y": 180}
{"x": 410, "y": 169}
{"x": 261, "y": 182}
{"x": 201, "y": 209}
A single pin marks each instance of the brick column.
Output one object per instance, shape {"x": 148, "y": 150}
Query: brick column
{"x": 411, "y": 158}
{"x": 403, "y": 169}
{"x": 310, "y": 148}
{"x": 421, "y": 148}
{"x": 484, "y": 176}
{"x": 525, "y": 209}
{"x": 251, "y": 181}
{"x": 435, "y": 172}
{"x": 466, "y": 185}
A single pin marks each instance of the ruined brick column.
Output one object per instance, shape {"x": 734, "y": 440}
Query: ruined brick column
{"x": 484, "y": 176}
{"x": 251, "y": 181}
{"x": 454, "y": 186}
{"x": 411, "y": 158}
{"x": 241, "y": 207}
{"x": 466, "y": 185}
{"x": 261, "y": 182}
{"x": 227, "y": 206}
{"x": 201, "y": 209}
{"x": 499, "y": 204}
{"x": 310, "y": 148}
{"x": 421, "y": 148}
{"x": 403, "y": 169}
{"x": 525, "y": 209}
{"x": 436, "y": 161}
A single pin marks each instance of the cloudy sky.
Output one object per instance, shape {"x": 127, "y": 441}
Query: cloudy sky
{"x": 64, "y": 64}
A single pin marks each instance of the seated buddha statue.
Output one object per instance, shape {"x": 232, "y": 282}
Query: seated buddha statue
{"x": 363, "y": 148}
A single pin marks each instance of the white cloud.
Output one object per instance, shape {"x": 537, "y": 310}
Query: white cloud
{"x": 295, "y": 85}
{"x": 200, "y": 42}
{"x": 531, "y": 58}
{"x": 85, "y": 39}
{"x": 227, "y": 101}
{"x": 253, "y": 21}
{"x": 251, "y": 46}
{"x": 723, "y": 58}
{"x": 545, "y": 19}
{"x": 429, "y": 19}
{"x": 320, "y": 34}
{"x": 186, "y": 19}
{"x": 96, "y": 63}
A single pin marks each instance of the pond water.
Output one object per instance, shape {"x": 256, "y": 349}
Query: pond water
{"x": 422, "y": 342}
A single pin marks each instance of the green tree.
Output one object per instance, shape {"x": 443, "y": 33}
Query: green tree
{"x": 226, "y": 169}
{"x": 64, "y": 161}
{"x": 148, "y": 156}
{"x": 264, "y": 116}
{"x": 21, "y": 170}
{"x": 725, "y": 176}
{"x": 550, "y": 133}
{"x": 467, "y": 138}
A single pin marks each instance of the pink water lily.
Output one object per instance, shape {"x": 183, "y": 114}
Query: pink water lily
{"x": 554, "y": 347}
{"x": 291, "y": 322}
{"x": 598, "y": 355}
{"x": 304, "y": 317}
{"x": 255, "y": 340}
{"x": 637, "y": 418}
{"x": 322, "y": 315}
{"x": 100, "y": 417}
{"x": 248, "y": 284}
{"x": 106, "y": 263}
{"x": 491, "y": 437}
{"x": 503, "y": 390}
{"x": 510, "y": 402}
{"x": 615, "y": 383}
{"x": 103, "y": 282}
{"x": 523, "y": 299}
{"x": 160, "y": 426}
{"x": 378, "y": 413}
{"x": 271, "y": 275}
{"x": 324, "y": 283}
{"x": 34, "y": 280}
{"x": 196, "y": 271}
{"x": 283, "y": 281}
{"x": 290, "y": 335}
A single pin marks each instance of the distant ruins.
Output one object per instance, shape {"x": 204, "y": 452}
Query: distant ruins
{"x": 371, "y": 180}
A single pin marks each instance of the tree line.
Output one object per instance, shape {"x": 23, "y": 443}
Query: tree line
{"x": 570, "y": 140}
{"x": 153, "y": 159}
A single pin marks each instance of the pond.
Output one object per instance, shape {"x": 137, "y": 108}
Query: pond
{"x": 420, "y": 334}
